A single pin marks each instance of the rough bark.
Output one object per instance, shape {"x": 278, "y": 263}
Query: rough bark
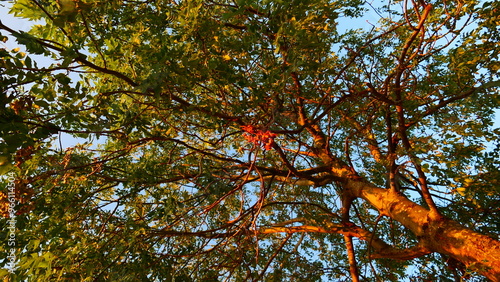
{"x": 436, "y": 233}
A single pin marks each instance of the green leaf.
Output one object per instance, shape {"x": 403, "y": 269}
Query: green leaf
{"x": 32, "y": 44}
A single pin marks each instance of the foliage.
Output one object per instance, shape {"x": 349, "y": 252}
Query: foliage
{"x": 217, "y": 137}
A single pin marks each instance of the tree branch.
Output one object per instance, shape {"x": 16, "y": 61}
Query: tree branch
{"x": 353, "y": 268}
{"x": 80, "y": 58}
{"x": 382, "y": 249}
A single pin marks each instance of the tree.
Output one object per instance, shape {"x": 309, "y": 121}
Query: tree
{"x": 253, "y": 140}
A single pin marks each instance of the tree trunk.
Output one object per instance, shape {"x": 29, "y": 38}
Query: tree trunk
{"x": 438, "y": 234}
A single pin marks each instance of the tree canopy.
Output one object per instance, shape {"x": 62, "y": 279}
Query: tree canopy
{"x": 251, "y": 140}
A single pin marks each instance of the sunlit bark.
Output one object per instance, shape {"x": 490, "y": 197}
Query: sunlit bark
{"x": 436, "y": 234}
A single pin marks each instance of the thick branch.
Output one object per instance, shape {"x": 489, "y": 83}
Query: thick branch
{"x": 353, "y": 268}
{"x": 406, "y": 254}
{"x": 440, "y": 235}
{"x": 381, "y": 248}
